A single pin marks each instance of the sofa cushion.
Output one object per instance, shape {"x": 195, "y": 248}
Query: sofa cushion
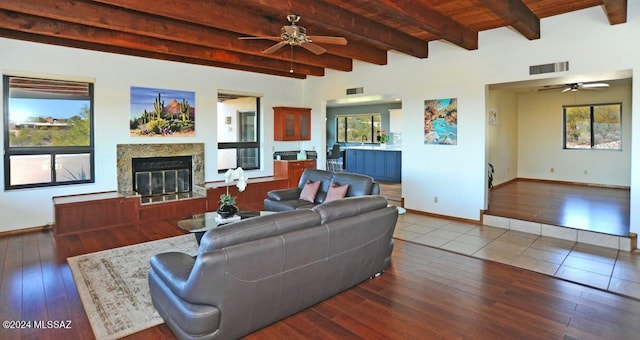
{"x": 271, "y": 205}
{"x": 359, "y": 185}
{"x": 309, "y": 191}
{"x": 316, "y": 175}
{"x": 349, "y": 206}
{"x": 336, "y": 192}
{"x": 257, "y": 228}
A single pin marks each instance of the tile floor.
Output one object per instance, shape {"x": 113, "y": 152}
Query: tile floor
{"x": 609, "y": 269}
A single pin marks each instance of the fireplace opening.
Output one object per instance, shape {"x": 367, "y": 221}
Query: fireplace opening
{"x": 159, "y": 179}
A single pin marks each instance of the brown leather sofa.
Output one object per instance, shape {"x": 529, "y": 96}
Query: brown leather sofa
{"x": 257, "y": 271}
{"x": 289, "y": 199}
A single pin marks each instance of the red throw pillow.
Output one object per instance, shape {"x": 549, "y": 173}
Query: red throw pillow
{"x": 309, "y": 191}
{"x": 336, "y": 192}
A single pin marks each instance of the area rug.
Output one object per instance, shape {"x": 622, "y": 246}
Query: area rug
{"x": 114, "y": 289}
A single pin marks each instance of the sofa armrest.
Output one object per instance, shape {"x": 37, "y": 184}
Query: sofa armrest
{"x": 284, "y": 194}
{"x": 174, "y": 269}
{"x": 375, "y": 189}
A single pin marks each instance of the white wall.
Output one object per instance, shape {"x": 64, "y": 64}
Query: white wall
{"x": 502, "y": 137}
{"x": 456, "y": 174}
{"x": 114, "y": 75}
{"x": 540, "y": 129}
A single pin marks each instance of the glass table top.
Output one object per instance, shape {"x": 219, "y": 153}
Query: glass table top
{"x": 210, "y": 220}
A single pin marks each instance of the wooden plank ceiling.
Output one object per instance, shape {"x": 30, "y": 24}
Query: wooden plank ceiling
{"x": 206, "y": 32}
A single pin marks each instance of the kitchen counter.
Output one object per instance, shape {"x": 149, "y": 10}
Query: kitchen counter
{"x": 383, "y": 164}
{"x": 374, "y": 147}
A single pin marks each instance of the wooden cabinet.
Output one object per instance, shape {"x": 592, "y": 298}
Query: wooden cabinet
{"x": 177, "y": 209}
{"x": 291, "y": 123}
{"x": 382, "y": 165}
{"x": 292, "y": 170}
{"x": 79, "y": 213}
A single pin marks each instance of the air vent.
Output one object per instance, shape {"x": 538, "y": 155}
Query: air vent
{"x": 355, "y": 90}
{"x": 549, "y": 68}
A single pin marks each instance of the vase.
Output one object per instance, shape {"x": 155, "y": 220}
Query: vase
{"x": 383, "y": 145}
{"x": 226, "y": 211}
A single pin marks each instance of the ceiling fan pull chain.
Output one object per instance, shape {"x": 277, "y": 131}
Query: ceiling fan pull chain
{"x": 291, "y": 59}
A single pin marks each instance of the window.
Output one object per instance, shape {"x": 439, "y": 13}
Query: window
{"x": 357, "y": 128}
{"x": 593, "y": 127}
{"x": 48, "y": 128}
{"x": 238, "y": 131}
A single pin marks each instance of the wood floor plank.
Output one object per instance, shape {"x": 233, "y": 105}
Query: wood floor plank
{"x": 600, "y": 209}
{"x": 11, "y": 285}
{"x": 33, "y": 308}
{"x": 425, "y": 293}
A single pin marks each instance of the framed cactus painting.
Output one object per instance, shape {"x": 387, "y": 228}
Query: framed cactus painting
{"x": 159, "y": 112}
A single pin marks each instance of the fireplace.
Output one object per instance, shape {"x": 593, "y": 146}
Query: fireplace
{"x": 159, "y": 176}
{"x": 161, "y": 172}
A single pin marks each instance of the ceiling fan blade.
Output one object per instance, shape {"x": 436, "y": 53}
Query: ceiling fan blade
{"x": 313, "y": 48}
{"x": 547, "y": 88}
{"x": 566, "y": 89}
{"x": 328, "y": 40}
{"x": 595, "y": 85}
{"x": 254, "y": 38}
{"x": 274, "y": 47}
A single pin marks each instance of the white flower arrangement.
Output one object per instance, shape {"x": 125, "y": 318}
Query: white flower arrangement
{"x": 230, "y": 176}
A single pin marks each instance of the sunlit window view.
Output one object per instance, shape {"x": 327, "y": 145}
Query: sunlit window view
{"x": 238, "y": 131}
{"x": 358, "y": 128}
{"x": 49, "y": 129}
{"x": 593, "y": 127}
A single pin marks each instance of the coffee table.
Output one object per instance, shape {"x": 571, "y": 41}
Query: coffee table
{"x": 199, "y": 224}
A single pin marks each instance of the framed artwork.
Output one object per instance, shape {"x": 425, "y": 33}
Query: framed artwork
{"x": 441, "y": 121}
{"x": 159, "y": 112}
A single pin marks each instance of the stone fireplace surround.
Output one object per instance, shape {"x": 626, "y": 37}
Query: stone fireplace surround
{"x": 125, "y": 153}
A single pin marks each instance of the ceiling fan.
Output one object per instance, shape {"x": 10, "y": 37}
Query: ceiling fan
{"x": 295, "y": 35}
{"x": 573, "y": 87}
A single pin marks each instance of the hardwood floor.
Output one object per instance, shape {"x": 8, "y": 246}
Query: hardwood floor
{"x": 425, "y": 293}
{"x": 603, "y": 210}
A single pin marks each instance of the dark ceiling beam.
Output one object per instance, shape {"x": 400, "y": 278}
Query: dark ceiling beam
{"x": 54, "y": 28}
{"x": 419, "y": 15}
{"x": 234, "y": 18}
{"x": 137, "y": 53}
{"x": 341, "y": 22}
{"x": 517, "y": 15}
{"x": 108, "y": 17}
{"x": 616, "y": 11}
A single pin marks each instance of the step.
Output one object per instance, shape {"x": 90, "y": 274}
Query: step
{"x": 625, "y": 243}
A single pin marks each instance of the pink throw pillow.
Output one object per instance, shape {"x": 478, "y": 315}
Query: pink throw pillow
{"x": 336, "y": 192}
{"x": 309, "y": 191}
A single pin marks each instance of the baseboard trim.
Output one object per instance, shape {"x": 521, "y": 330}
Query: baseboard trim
{"x": 25, "y": 230}
{"x": 445, "y": 217}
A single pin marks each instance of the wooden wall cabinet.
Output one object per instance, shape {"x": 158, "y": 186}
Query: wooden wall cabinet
{"x": 291, "y": 123}
{"x": 292, "y": 170}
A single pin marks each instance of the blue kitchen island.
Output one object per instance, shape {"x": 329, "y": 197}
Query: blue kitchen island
{"x": 383, "y": 164}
